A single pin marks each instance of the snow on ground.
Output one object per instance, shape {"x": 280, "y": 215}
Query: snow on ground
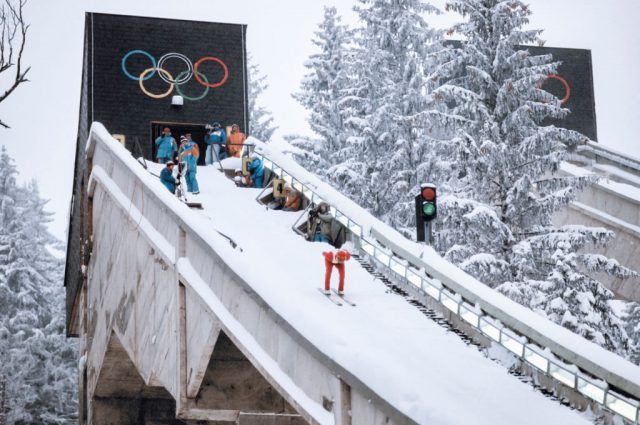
{"x": 410, "y": 361}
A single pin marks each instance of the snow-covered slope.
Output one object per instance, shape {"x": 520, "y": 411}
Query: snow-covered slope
{"x": 410, "y": 361}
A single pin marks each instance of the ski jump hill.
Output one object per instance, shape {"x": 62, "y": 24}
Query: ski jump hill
{"x": 214, "y": 316}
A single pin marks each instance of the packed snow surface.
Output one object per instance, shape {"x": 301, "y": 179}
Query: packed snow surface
{"x": 407, "y": 359}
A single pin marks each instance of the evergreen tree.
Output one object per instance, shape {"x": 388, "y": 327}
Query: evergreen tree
{"x": 369, "y": 100}
{"x": 500, "y": 175}
{"x": 321, "y": 92}
{"x": 632, "y": 326}
{"x": 37, "y": 362}
{"x": 386, "y": 100}
{"x": 260, "y": 119}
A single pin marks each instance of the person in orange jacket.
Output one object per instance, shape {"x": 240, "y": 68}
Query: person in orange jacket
{"x": 337, "y": 259}
{"x": 235, "y": 141}
{"x": 293, "y": 200}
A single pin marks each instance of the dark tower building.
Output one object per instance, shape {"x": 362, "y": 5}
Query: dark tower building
{"x": 143, "y": 74}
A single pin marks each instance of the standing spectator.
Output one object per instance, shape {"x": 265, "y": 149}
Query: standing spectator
{"x": 166, "y": 146}
{"x": 215, "y": 139}
{"x": 256, "y": 169}
{"x": 167, "y": 179}
{"x": 319, "y": 224}
{"x": 235, "y": 141}
{"x": 189, "y": 153}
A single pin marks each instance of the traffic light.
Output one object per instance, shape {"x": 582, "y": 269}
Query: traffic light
{"x": 426, "y": 211}
{"x": 428, "y": 208}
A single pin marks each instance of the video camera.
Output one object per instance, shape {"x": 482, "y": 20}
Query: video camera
{"x": 313, "y": 210}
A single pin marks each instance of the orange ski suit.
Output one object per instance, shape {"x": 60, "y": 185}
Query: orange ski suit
{"x": 337, "y": 259}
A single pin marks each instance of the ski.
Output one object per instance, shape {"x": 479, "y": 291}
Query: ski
{"x": 351, "y": 303}
{"x": 329, "y": 297}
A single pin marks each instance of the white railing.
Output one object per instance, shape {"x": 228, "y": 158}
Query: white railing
{"x": 541, "y": 358}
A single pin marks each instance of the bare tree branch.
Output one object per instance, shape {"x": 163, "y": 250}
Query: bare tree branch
{"x": 13, "y": 36}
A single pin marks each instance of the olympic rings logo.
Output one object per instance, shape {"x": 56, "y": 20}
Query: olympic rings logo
{"x": 565, "y": 84}
{"x": 182, "y": 78}
{"x": 567, "y": 88}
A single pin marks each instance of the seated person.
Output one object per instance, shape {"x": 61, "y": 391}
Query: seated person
{"x": 319, "y": 224}
{"x": 293, "y": 200}
{"x": 241, "y": 180}
{"x": 257, "y": 170}
{"x": 167, "y": 179}
{"x": 276, "y": 204}
{"x": 279, "y": 202}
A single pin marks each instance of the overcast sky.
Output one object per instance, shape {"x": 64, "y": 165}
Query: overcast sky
{"x": 43, "y": 113}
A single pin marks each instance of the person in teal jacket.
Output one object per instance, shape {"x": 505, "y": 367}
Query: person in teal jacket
{"x": 189, "y": 153}
{"x": 166, "y": 177}
{"x": 256, "y": 168}
{"x": 166, "y": 146}
{"x": 216, "y": 139}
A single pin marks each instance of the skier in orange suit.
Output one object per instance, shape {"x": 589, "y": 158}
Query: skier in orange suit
{"x": 337, "y": 259}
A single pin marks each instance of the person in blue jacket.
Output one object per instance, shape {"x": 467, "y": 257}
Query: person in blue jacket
{"x": 189, "y": 153}
{"x": 256, "y": 168}
{"x": 166, "y": 146}
{"x": 166, "y": 177}
{"x": 215, "y": 139}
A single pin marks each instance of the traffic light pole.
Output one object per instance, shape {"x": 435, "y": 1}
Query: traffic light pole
{"x": 428, "y": 235}
{"x": 424, "y": 230}
{"x": 421, "y": 225}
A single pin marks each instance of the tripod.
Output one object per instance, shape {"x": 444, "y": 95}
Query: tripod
{"x": 180, "y": 187}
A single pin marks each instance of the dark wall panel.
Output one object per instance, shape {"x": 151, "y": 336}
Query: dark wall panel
{"x": 123, "y": 106}
{"x": 73, "y": 262}
{"x": 574, "y": 81}
{"x": 109, "y": 96}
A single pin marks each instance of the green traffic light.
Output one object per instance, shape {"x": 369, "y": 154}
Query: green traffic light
{"x": 428, "y": 208}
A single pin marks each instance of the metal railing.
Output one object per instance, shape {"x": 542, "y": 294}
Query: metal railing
{"x": 539, "y": 357}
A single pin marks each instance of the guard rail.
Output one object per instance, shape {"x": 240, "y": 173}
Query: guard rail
{"x": 530, "y": 345}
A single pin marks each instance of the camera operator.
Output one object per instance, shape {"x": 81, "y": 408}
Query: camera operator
{"x": 319, "y": 224}
{"x": 216, "y": 140}
{"x": 167, "y": 179}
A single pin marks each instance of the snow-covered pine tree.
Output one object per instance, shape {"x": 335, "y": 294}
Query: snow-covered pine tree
{"x": 320, "y": 92}
{"x": 385, "y": 107}
{"x": 260, "y": 118}
{"x": 37, "y": 362}
{"x": 503, "y": 182}
{"x": 632, "y": 326}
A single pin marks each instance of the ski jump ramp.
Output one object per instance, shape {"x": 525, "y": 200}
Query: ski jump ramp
{"x": 213, "y": 316}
